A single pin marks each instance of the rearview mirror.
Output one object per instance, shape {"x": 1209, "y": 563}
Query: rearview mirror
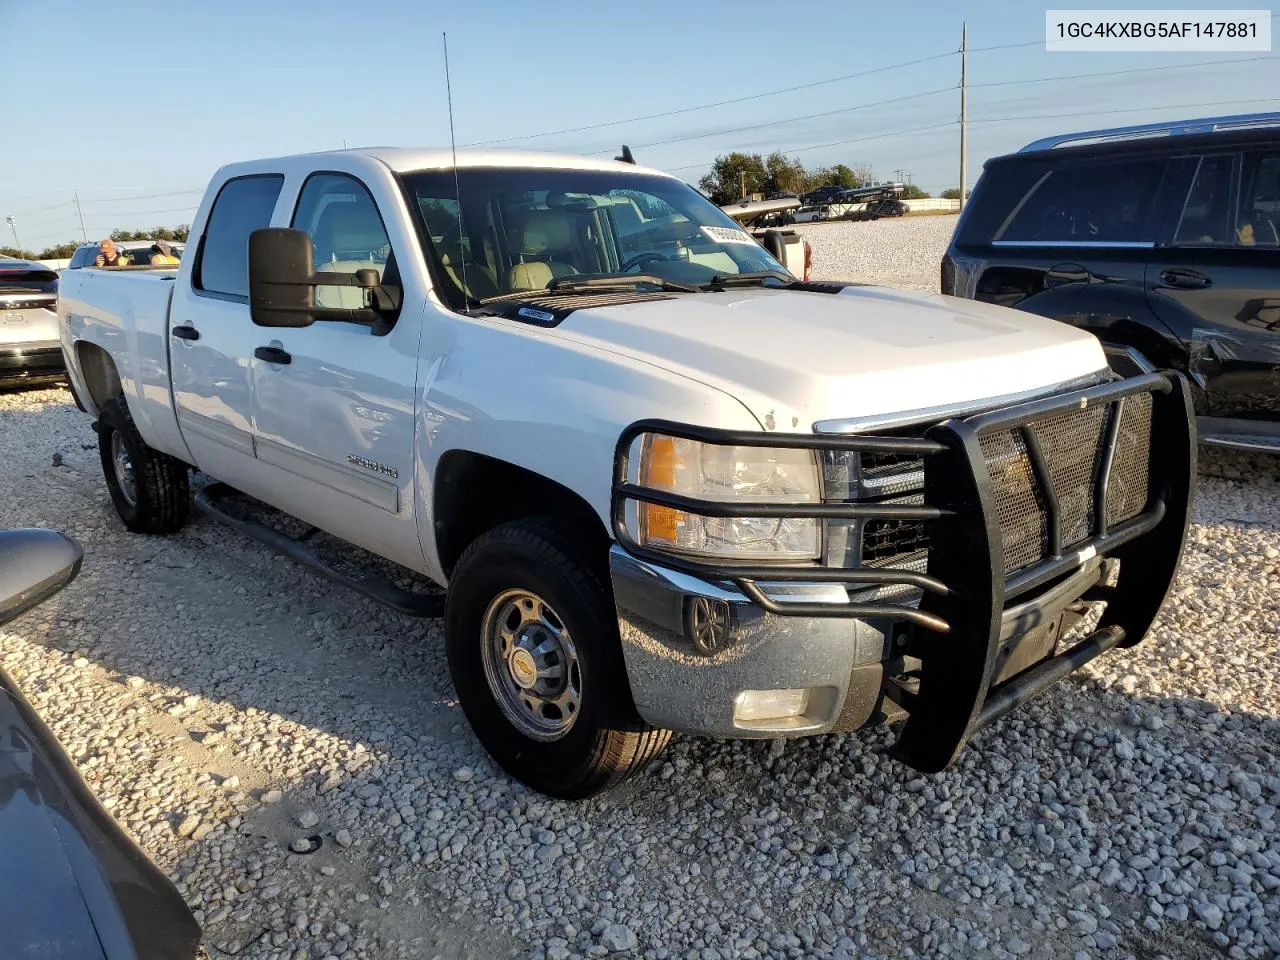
{"x": 283, "y": 281}
{"x": 34, "y": 565}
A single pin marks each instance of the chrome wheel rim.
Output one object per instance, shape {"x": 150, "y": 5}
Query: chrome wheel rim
{"x": 531, "y": 665}
{"x": 124, "y": 470}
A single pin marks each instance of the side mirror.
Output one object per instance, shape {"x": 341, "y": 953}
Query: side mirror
{"x": 34, "y": 565}
{"x": 283, "y": 281}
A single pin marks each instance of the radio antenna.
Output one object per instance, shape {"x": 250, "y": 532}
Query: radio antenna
{"x": 457, "y": 187}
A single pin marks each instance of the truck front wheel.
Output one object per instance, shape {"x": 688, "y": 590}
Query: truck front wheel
{"x": 532, "y": 639}
{"x": 151, "y": 490}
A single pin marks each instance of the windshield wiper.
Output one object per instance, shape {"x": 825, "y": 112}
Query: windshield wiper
{"x": 598, "y": 282}
{"x": 757, "y": 278}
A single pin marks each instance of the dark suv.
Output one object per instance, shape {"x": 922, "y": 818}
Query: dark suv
{"x": 1163, "y": 237}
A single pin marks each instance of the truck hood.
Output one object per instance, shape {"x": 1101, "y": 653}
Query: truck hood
{"x": 797, "y": 357}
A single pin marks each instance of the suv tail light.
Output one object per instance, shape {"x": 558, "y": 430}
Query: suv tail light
{"x": 808, "y": 261}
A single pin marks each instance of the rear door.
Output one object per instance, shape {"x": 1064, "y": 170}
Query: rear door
{"x": 1216, "y": 282}
{"x": 211, "y": 337}
{"x": 1075, "y": 248}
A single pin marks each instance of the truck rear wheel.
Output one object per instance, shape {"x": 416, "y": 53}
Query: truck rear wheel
{"x": 151, "y": 490}
{"x": 532, "y": 640}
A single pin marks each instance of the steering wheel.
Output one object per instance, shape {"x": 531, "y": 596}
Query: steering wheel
{"x": 649, "y": 256}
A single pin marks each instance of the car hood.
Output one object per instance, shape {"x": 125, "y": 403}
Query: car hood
{"x": 797, "y": 357}
{"x": 71, "y": 883}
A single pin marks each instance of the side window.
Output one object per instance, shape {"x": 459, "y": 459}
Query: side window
{"x": 1206, "y": 215}
{"x": 243, "y": 205}
{"x": 1259, "y": 221}
{"x": 1090, "y": 203}
{"x": 342, "y": 220}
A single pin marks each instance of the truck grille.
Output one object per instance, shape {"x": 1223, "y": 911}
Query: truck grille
{"x": 1072, "y": 446}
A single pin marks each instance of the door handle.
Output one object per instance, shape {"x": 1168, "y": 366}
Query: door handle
{"x": 272, "y": 355}
{"x": 1185, "y": 279}
{"x": 185, "y": 332}
{"x": 1062, "y": 274}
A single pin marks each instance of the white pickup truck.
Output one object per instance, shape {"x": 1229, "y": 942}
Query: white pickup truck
{"x": 667, "y": 485}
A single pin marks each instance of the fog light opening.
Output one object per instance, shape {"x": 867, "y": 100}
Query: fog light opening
{"x": 756, "y": 705}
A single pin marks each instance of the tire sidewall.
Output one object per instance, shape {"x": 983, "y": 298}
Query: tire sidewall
{"x": 112, "y": 420}
{"x": 504, "y": 565}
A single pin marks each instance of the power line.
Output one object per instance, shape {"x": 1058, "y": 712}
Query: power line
{"x": 149, "y": 196}
{"x": 1119, "y": 73}
{"x": 1092, "y": 113}
{"x": 810, "y": 116}
{"x": 840, "y": 143}
{"x": 718, "y": 103}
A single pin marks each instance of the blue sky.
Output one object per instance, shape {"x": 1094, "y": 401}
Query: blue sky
{"x": 133, "y": 104}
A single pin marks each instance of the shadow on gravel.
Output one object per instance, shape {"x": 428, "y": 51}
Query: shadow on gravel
{"x": 348, "y": 709}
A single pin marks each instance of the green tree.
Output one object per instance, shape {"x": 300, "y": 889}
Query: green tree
{"x": 912, "y": 192}
{"x": 784, "y": 174}
{"x": 62, "y": 251}
{"x": 734, "y": 175}
{"x": 17, "y": 254}
{"x": 951, "y": 193}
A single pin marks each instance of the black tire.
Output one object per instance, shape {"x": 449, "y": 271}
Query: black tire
{"x": 607, "y": 740}
{"x": 162, "y": 491}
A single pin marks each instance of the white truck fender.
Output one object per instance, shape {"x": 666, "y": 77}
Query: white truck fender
{"x": 563, "y": 424}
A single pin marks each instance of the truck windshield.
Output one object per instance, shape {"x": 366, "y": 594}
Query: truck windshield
{"x": 520, "y": 229}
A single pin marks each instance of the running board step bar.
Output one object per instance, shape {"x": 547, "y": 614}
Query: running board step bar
{"x": 429, "y": 605}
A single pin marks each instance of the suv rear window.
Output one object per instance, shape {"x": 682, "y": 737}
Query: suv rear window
{"x": 25, "y": 277}
{"x": 1089, "y": 203}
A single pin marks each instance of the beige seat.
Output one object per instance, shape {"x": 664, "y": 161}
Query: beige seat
{"x": 352, "y": 232}
{"x": 546, "y": 233}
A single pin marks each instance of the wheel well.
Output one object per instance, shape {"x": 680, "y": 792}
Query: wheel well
{"x": 98, "y": 370}
{"x": 474, "y": 493}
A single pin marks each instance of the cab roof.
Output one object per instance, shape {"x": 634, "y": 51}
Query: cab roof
{"x": 410, "y": 159}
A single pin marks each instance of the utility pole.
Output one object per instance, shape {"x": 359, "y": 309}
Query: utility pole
{"x": 964, "y": 112}
{"x": 742, "y": 183}
{"x": 13, "y": 225}
{"x": 75, "y": 195}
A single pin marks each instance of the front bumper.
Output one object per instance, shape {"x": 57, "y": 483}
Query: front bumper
{"x": 29, "y": 363}
{"x": 976, "y": 639}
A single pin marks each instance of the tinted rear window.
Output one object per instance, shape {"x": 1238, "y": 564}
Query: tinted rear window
{"x": 26, "y": 278}
{"x": 243, "y": 206}
{"x": 1090, "y": 203}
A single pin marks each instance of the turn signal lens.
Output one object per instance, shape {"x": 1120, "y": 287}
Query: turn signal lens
{"x": 658, "y": 469}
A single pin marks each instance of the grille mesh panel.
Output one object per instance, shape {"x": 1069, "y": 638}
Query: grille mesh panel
{"x": 1019, "y": 506}
{"x": 1127, "y": 491}
{"x": 1072, "y": 447}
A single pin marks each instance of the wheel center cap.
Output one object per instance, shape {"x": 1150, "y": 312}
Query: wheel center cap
{"x": 523, "y": 669}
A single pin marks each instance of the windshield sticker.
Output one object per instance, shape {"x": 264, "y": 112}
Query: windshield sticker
{"x": 728, "y": 235}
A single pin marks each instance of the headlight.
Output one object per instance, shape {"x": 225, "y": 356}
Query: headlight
{"x": 724, "y": 474}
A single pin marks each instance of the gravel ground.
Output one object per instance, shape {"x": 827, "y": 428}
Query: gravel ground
{"x": 227, "y": 706}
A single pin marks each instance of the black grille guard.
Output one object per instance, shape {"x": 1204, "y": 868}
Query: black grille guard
{"x": 965, "y": 589}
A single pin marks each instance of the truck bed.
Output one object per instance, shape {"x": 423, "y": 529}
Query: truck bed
{"x": 126, "y": 313}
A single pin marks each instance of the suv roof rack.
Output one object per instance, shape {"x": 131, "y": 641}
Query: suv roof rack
{"x": 1144, "y": 131}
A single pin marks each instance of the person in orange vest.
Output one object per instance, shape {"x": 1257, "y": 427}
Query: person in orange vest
{"x": 162, "y": 254}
